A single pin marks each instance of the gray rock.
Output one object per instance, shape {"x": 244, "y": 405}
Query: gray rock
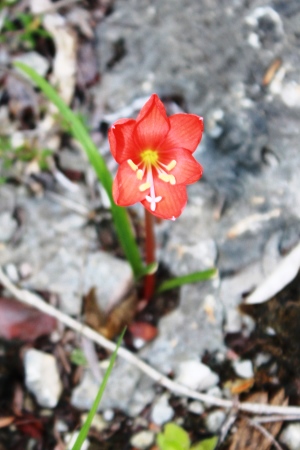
{"x": 161, "y": 411}
{"x": 195, "y": 375}
{"x": 42, "y": 377}
{"x": 189, "y": 331}
{"x": 290, "y": 436}
{"x": 143, "y": 439}
{"x": 142, "y": 396}
{"x": 110, "y": 276}
{"x": 8, "y": 226}
{"x": 34, "y": 60}
{"x": 116, "y": 395}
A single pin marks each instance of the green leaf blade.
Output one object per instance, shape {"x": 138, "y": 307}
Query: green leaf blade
{"x": 207, "y": 444}
{"x": 120, "y": 216}
{"x": 87, "y": 425}
{"x": 195, "y": 277}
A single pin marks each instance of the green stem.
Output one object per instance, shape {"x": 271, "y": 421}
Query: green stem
{"x": 149, "y": 281}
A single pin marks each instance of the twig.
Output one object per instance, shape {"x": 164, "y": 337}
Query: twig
{"x": 226, "y": 426}
{"x": 33, "y": 300}
{"x": 265, "y": 432}
{"x": 56, "y": 6}
{"x": 276, "y": 418}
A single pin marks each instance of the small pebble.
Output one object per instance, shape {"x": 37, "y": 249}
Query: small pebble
{"x": 290, "y": 436}
{"x": 243, "y": 369}
{"x": 42, "y": 377}
{"x": 98, "y": 421}
{"x": 162, "y": 411}
{"x": 143, "y": 439}
{"x": 12, "y": 272}
{"x": 108, "y": 415}
{"x": 196, "y": 375}
{"x": 215, "y": 420}
{"x": 70, "y": 439}
{"x": 196, "y": 407}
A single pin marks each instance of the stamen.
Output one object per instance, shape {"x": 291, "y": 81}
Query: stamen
{"x": 140, "y": 174}
{"x": 143, "y": 187}
{"x": 164, "y": 177}
{"x": 172, "y": 179}
{"x": 171, "y": 165}
{"x": 131, "y": 164}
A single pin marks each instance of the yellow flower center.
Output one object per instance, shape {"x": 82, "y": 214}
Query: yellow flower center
{"x": 149, "y": 160}
{"x": 149, "y": 157}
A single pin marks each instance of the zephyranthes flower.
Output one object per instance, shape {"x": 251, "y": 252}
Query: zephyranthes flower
{"x": 155, "y": 156}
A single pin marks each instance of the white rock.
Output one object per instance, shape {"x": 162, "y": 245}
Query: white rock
{"x": 196, "y": 407}
{"x": 162, "y": 411}
{"x": 261, "y": 359}
{"x": 108, "y": 415}
{"x": 42, "y": 377}
{"x": 290, "y": 94}
{"x": 196, "y": 375}
{"x": 215, "y": 420}
{"x": 143, "y": 439}
{"x": 233, "y": 321}
{"x": 243, "y": 369}
{"x": 12, "y": 272}
{"x": 99, "y": 423}
{"x": 290, "y": 436}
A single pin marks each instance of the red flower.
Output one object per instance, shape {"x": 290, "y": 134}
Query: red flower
{"x": 155, "y": 156}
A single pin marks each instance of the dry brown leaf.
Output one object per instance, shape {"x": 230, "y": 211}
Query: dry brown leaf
{"x": 121, "y": 315}
{"x": 240, "y": 386}
{"x": 6, "y": 421}
{"x": 271, "y": 71}
{"x": 109, "y": 324}
{"x": 247, "y": 436}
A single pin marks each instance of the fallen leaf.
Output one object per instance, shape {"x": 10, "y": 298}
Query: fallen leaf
{"x": 247, "y": 436}
{"x": 285, "y": 272}
{"x": 30, "y": 425}
{"x": 271, "y": 71}
{"x": 18, "y": 321}
{"x": 143, "y": 330}
{"x": 109, "y": 323}
{"x": 240, "y": 386}
{"x": 6, "y": 421}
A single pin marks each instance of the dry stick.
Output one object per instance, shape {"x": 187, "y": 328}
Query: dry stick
{"x": 33, "y": 300}
{"x": 58, "y": 5}
{"x": 265, "y": 433}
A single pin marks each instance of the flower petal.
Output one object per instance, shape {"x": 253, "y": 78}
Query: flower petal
{"x": 185, "y": 132}
{"x": 122, "y": 144}
{"x": 126, "y": 187}
{"x": 174, "y": 199}
{"x": 152, "y": 124}
{"x": 187, "y": 169}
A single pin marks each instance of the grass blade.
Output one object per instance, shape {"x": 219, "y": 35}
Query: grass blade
{"x": 79, "y": 131}
{"x": 87, "y": 425}
{"x": 194, "y": 277}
